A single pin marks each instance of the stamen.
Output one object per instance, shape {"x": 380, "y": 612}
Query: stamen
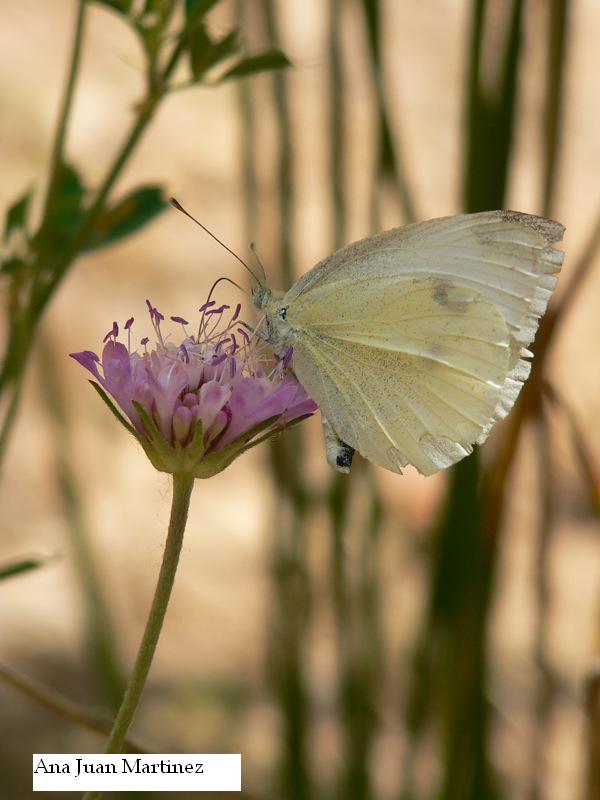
{"x": 288, "y": 357}
{"x": 127, "y": 327}
{"x": 236, "y": 314}
{"x": 180, "y": 320}
{"x": 113, "y": 333}
{"x": 220, "y": 344}
{"x": 203, "y": 309}
{"x": 156, "y": 318}
{"x": 184, "y": 352}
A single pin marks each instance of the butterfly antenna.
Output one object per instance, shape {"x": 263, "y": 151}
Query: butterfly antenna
{"x": 176, "y": 204}
{"x": 260, "y": 264}
{"x": 218, "y": 281}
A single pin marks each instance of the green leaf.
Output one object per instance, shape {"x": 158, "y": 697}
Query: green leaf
{"x": 127, "y": 216}
{"x": 70, "y": 191}
{"x": 16, "y": 216}
{"x": 24, "y": 565}
{"x": 204, "y": 53}
{"x": 120, "y": 6}
{"x": 264, "y": 62}
{"x": 196, "y": 9}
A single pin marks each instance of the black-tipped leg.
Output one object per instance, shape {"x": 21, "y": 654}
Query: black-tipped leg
{"x": 339, "y": 454}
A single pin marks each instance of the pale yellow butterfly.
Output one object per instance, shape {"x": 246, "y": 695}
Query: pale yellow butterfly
{"x": 414, "y": 342}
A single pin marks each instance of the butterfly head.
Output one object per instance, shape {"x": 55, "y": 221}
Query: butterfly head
{"x": 261, "y": 297}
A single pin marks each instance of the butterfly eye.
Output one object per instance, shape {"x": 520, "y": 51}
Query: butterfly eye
{"x": 282, "y": 313}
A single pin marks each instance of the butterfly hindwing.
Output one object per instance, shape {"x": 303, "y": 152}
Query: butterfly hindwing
{"x": 410, "y": 374}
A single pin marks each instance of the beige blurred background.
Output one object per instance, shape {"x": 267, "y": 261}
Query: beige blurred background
{"x": 218, "y": 622}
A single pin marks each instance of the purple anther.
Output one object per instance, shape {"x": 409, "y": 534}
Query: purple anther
{"x": 232, "y": 367}
{"x": 158, "y": 315}
{"x": 234, "y": 345}
{"x": 221, "y": 344}
{"x": 113, "y": 333}
{"x": 144, "y": 341}
{"x": 236, "y": 313}
{"x": 185, "y": 353}
{"x": 207, "y": 305}
{"x": 218, "y": 360}
{"x": 219, "y": 310}
{"x": 288, "y": 357}
{"x": 150, "y": 308}
{"x": 128, "y": 324}
{"x": 244, "y": 335}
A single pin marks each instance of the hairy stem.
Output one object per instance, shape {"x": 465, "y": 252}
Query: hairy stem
{"x": 182, "y": 489}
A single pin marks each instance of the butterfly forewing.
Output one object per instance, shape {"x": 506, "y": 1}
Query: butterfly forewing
{"x": 412, "y": 341}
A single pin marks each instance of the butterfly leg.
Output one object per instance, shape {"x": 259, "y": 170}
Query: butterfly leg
{"x": 339, "y": 454}
{"x": 254, "y": 331}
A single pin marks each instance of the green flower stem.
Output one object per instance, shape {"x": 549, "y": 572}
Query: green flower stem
{"x": 182, "y": 489}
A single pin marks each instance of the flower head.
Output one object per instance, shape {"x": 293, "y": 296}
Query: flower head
{"x": 197, "y": 405}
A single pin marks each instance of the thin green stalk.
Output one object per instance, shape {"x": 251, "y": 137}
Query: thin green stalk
{"x": 284, "y": 156}
{"x": 337, "y": 138}
{"x": 9, "y": 418}
{"x": 182, "y": 490}
{"x": 248, "y": 140}
{"x": 361, "y": 667}
{"x": 390, "y": 162}
{"x": 60, "y": 706}
{"x": 41, "y": 295}
{"x": 58, "y": 148}
{"x": 542, "y": 587}
{"x": 291, "y": 573}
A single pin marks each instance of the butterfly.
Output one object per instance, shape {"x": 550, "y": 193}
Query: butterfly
{"x": 414, "y": 342}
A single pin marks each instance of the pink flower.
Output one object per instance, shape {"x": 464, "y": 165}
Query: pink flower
{"x": 197, "y": 405}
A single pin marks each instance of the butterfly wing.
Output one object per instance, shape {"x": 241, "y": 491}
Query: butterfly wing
{"x": 412, "y": 342}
